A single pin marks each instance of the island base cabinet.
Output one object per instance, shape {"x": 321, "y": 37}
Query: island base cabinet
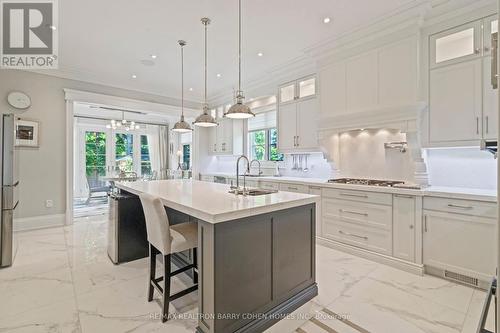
{"x": 253, "y": 267}
{"x": 459, "y": 247}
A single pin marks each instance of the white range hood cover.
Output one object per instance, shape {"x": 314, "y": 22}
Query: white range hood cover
{"x": 405, "y": 118}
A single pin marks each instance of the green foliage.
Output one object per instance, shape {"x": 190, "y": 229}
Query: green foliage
{"x": 95, "y": 153}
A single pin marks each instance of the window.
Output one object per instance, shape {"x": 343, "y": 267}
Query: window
{"x": 124, "y": 152}
{"x": 145, "y": 156}
{"x": 263, "y": 137}
{"x": 186, "y": 156}
{"x": 95, "y": 154}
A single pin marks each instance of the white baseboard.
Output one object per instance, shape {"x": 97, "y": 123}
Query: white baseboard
{"x": 370, "y": 255}
{"x": 39, "y": 222}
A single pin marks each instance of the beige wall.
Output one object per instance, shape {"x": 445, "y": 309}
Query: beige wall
{"x": 42, "y": 171}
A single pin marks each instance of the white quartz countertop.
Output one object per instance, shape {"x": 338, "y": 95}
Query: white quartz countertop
{"x": 212, "y": 202}
{"x": 435, "y": 191}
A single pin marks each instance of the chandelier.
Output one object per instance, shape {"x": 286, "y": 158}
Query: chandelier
{"x": 123, "y": 124}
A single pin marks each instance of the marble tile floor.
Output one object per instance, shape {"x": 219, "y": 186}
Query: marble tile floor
{"x": 63, "y": 281}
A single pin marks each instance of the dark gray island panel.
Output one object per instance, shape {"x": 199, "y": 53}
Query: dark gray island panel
{"x": 255, "y": 268}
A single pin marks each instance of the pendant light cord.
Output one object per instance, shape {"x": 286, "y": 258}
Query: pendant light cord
{"x": 182, "y": 81}
{"x": 239, "y": 48}
{"x": 205, "y": 23}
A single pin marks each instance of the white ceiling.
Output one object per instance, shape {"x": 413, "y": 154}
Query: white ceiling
{"x": 105, "y": 41}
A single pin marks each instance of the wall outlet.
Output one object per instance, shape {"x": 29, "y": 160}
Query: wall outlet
{"x": 49, "y": 203}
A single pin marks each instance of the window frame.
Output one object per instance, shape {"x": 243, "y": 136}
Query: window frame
{"x": 267, "y": 155}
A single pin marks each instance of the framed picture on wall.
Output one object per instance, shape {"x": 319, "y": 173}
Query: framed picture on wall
{"x": 27, "y": 133}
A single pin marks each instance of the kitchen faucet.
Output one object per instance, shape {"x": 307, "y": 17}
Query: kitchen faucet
{"x": 254, "y": 160}
{"x": 244, "y": 175}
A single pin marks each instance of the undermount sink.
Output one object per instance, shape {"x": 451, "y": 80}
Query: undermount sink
{"x": 253, "y": 192}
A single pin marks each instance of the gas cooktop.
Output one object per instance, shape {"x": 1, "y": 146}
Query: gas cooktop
{"x": 369, "y": 182}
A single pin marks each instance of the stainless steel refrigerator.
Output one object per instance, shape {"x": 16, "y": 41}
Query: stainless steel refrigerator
{"x": 9, "y": 181}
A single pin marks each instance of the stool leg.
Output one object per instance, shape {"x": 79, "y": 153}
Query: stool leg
{"x": 166, "y": 287}
{"x": 195, "y": 262}
{"x": 152, "y": 271}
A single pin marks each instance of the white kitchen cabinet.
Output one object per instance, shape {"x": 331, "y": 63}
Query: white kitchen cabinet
{"x": 333, "y": 90}
{"x": 398, "y": 73}
{"x": 457, "y": 44}
{"x": 227, "y": 138}
{"x": 490, "y": 91}
{"x": 297, "y": 117}
{"x": 456, "y": 102}
{"x": 460, "y": 245}
{"x": 404, "y": 221}
{"x": 287, "y": 126}
{"x": 362, "y": 81}
{"x": 299, "y": 188}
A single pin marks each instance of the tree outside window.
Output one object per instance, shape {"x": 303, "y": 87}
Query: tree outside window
{"x": 263, "y": 145}
{"x": 145, "y": 156}
{"x": 95, "y": 154}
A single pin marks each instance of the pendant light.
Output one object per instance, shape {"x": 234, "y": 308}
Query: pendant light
{"x": 205, "y": 119}
{"x": 239, "y": 110}
{"x": 182, "y": 126}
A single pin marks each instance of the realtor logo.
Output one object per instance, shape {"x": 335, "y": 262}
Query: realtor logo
{"x": 29, "y": 34}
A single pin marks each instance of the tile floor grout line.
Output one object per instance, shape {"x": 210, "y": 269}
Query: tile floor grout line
{"x": 345, "y": 321}
{"x": 324, "y": 326}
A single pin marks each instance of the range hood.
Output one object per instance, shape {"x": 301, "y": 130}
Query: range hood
{"x": 490, "y": 146}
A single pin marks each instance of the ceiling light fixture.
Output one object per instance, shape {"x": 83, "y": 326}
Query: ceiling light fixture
{"x": 326, "y": 20}
{"x": 154, "y": 56}
{"x": 190, "y": 89}
{"x": 182, "y": 126}
{"x": 123, "y": 123}
{"x": 260, "y": 54}
{"x": 134, "y": 76}
{"x": 239, "y": 110}
{"x": 219, "y": 75}
{"x": 205, "y": 119}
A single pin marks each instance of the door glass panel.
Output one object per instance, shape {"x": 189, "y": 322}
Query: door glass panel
{"x": 307, "y": 87}
{"x": 456, "y": 45}
{"x": 494, "y": 26}
{"x": 145, "y": 156}
{"x": 124, "y": 152}
{"x": 95, "y": 155}
{"x": 287, "y": 93}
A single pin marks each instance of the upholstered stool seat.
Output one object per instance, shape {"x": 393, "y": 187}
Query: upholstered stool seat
{"x": 167, "y": 239}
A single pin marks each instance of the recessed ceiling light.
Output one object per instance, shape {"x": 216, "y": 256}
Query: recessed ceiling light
{"x": 219, "y": 75}
{"x": 260, "y": 54}
{"x": 326, "y": 20}
{"x": 190, "y": 89}
{"x": 154, "y": 56}
{"x": 134, "y": 76}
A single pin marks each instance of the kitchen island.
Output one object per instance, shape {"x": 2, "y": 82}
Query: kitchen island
{"x": 256, "y": 253}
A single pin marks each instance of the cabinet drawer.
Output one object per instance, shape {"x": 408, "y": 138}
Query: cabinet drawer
{"x": 269, "y": 185}
{"x": 459, "y": 206}
{"x": 371, "y": 197}
{"x": 357, "y": 213}
{"x": 376, "y": 240}
{"x": 294, "y": 188}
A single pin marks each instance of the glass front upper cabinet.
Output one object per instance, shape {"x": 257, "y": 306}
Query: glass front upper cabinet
{"x": 457, "y": 44}
{"x": 287, "y": 93}
{"x": 307, "y": 87}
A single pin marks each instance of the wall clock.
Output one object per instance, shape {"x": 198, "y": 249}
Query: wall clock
{"x": 19, "y": 100}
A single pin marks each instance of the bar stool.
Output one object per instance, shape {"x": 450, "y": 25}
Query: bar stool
{"x": 167, "y": 239}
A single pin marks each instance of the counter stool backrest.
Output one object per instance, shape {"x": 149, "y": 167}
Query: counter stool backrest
{"x": 157, "y": 224}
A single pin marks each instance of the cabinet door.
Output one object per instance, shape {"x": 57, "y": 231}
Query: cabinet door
{"x": 456, "y": 102}
{"x": 398, "y": 73}
{"x": 455, "y": 45}
{"x": 287, "y": 126}
{"x": 362, "y": 81}
{"x": 332, "y": 85}
{"x": 490, "y": 92}
{"x": 307, "y": 118}
{"x": 307, "y": 87}
{"x": 403, "y": 213}
{"x": 490, "y": 102}
{"x": 212, "y": 140}
{"x": 287, "y": 92}
{"x": 460, "y": 244}
{"x": 225, "y": 135}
